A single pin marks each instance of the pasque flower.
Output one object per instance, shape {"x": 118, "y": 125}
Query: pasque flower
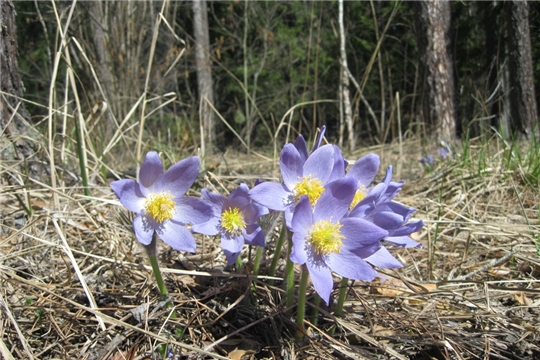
{"x": 325, "y": 240}
{"x": 159, "y": 201}
{"x": 235, "y": 219}
{"x": 378, "y": 207}
{"x": 301, "y": 177}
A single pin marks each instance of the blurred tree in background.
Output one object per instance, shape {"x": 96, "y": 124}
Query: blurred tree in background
{"x": 272, "y": 63}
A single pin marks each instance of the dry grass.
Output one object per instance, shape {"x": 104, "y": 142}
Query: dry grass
{"x": 76, "y": 285}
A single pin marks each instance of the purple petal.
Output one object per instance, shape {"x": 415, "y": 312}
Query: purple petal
{"x": 191, "y": 210}
{"x": 302, "y": 222}
{"x": 291, "y": 165}
{"x": 386, "y": 219}
{"x": 320, "y": 137}
{"x": 231, "y": 257}
{"x": 210, "y": 227}
{"x": 403, "y": 241}
{"x": 144, "y": 228}
{"x": 408, "y": 229}
{"x": 254, "y": 235}
{"x": 350, "y": 265}
{"x": 320, "y": 163}
{"x": 253, "y": 212}
{"x": 233, "y": 244}
{"x": 271, "y": 194}
{"x": 151, "y": 170}
{"x": 129, "y": 194}
{"x": 359, "y": 233}
{"x": 214, "y": 198}
{"x": 365, "y": 169}
{"x": 301, "y": 146}
{"x": 383, "y": 259}
{"x": 181, "y": 176}
{"x": 177, "y": 236}
{"x": 321, "y": 277}
{"x": 340, "y": 164}
{"x": 335, "y": 200}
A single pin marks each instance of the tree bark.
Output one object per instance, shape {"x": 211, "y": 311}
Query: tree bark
{"x": 346, "y": 103}
{"x": 19, "y": 141}
{"x": 204, "y": 74}
{"x": 438, "y": 77}
{"x": 523, "y": 109}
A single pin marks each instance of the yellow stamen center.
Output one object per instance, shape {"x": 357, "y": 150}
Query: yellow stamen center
{"x": 326, "y": 237}
{"x": 232, "y": 220}
{"x": 160, "y": 206}
{"x": 310, "y": 187}
{"x": 360, "y": 195}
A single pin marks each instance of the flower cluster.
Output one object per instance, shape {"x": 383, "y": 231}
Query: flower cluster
{"x": 340, "y": 221}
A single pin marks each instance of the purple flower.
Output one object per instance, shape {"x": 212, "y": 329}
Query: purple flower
{"x": 377, "y": 207}
{"x": 235, "y": 219}
{"x": 159, "y": 201}
{"x": 325, "y": 240}
{"x": 301, "y": 177}
{"x": 364, "y": 171}
{"x": 428, "y": 161}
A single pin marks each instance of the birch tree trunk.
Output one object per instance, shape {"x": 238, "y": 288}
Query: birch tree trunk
{"x": 346, "y": 98}
{"x": 204, "y": 75}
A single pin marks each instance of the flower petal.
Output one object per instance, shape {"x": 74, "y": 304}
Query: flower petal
{"x": 335, "y": 200}
{"x": 321, "y": 277}
{"x": 301, "y": 146}
{"x": 365, "y": 169}
{"x": 191, "y": 210}
{"x": 403, "y": 241}
{"x": 210, "y": 227}
{"x": 144, "y": 228}
{"x": 150, "y": 172}
{"x": 383, "y": 259}
{"x": 360, "y": 233}
{"x": 129, "y": 194}
{"x": 254, "y": 235}
{"x": 231, "y": 257}
{"x": 350, "y": 265}
{"x": 273, "y": 195}
{"x": 181, "y": 176}
{"x": 291, "y": 166}
{"x": 233, "y": 244}
{"x": 177, "y": 236}
{"x": 320, "y": 163}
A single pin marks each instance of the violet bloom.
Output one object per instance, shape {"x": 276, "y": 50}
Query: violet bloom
{"x": 159, "y": 201}
{"x": 325, "y": 241}
{"x": 377, "y": 207}
{"x": 364, "y": 171}
{"x": 301, "y": 177}
{"x": 235, "y": 219}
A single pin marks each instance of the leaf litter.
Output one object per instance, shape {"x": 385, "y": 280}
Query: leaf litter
{"x": 75, "y": 283}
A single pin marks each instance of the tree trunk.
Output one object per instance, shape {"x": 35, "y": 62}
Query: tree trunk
{"x": 438, "y": 77}
{"x": 19, "y": 141}
{"x": 346, "y": 103}
{"x": 204, "y": 75}
{"x": 523, "y": 109}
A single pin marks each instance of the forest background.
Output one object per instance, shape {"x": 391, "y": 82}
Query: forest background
{"x": 88, "y": 87}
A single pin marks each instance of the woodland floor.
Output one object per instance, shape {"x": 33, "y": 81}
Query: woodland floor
{"x": 471, "y": 292}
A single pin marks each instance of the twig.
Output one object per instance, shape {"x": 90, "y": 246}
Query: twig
{"x": 485, "y": 267}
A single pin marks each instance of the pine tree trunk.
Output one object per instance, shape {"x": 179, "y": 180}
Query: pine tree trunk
{"x": 19, "y": 141}
{"x": 523, "y": 110}
{"x": 204, "y": 74}
{"x": 438, "y": 77}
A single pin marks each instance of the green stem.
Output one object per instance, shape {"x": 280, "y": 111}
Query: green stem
{"x": 315, "y": 312}
{"x": 258, "y": 258}
{"x": 341, "y": 299}
{"x": 301, "y": 304}
{"x": 289, "y": 277}
{"x": 277, "y": 253}
{"x": 157, "y": 275}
